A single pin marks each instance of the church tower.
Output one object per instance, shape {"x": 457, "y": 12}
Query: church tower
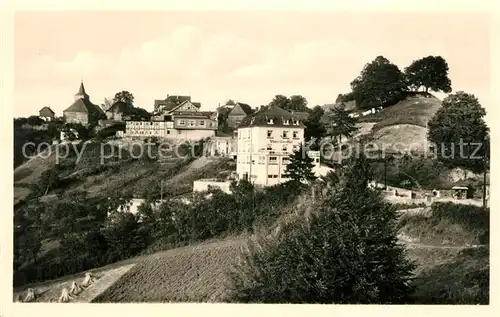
{"x": 81, "y": 94}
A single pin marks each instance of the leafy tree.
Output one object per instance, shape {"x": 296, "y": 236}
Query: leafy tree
{"x": 297, "y": 103}
{"x": 294, "y": 103}
{"x": 430, "y": 72}
{"x": 299, "y": 168}
{"x": 280, "y": 101}
{"x": 379, "y": 84}
{"x": 315, "y": 129}
{"x": 341, "y": 124}
{"x": 125, "y": 97}
{"x": 35, "y": 120}
{"x": 345, "y": 252}
{"x": 458, "y": 132}
{"x": 108, "y": 102}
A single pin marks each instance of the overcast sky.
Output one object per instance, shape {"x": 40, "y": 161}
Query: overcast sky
{"x": 245, "y": 56}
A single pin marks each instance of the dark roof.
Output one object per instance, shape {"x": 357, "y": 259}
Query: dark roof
{"x": 81, "y": 91}
{"x": 240, "y": 109}
{"x": 85, "y": 106}
{"x": 121, "y": 107}
{"x": 302, "y": 115}
{"x": 47, "y": 109}
{"x": 261, "y": 117}
{"x": 172, "y": 101}
{"x": 196, "y": 104}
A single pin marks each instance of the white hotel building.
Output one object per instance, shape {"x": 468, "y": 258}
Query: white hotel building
{"x": 266, "y": 139}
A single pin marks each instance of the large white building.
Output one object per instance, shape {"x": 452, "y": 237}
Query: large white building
{"x": 183, "y": 121}
{"x": 266, "y": 139}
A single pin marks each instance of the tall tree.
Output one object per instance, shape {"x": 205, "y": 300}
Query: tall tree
{"x": 381, "y": 83}
{"x": 345, "y": 252}
{"x": 299, "y": 168}
{"x": 458, "y": 131}
{"x": 280, "y": 101}
{"x": 340, "y": 124}
{"x": 315, "y": 129}
{"x": 294, "y": 103}
{"x": 430, "y": 72}
{"x": 125, "y": 97}
{"x": 298, "y": 103}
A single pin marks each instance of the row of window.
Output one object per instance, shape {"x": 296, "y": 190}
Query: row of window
{"x": 149, "y": 132}
{"x": 285, "y": 122}
{"x": 284, "y": 134}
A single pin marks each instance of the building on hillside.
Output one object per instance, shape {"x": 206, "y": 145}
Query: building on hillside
{"x": 202, "y": 185}
{"x": 47, "y": 114}
{"x": 118, "y": 111}
{"x": 301, "y": 115}
{"x": 266, "y": 139}
{"x": 183, "y": 122}
{"x": 82, "y": 110}
{"x": 223, "y": 145}
{"x": 237, "y": 114}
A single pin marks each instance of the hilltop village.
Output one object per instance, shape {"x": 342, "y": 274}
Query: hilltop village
{"x": 312, "y": 224}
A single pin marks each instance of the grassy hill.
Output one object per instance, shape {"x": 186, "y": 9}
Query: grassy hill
{"x": 405, "y": 123}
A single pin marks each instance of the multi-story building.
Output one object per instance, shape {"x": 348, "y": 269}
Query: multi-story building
{"x": 183, "y": 121}
{"x": 266, "y": 139}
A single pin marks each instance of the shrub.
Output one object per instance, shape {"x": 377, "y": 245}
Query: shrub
{"x": 346, "y": 252}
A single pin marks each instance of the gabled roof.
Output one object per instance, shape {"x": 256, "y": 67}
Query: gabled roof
{"x": 121, "y": 107}
{"x": 84, "y": 106}
{"x": 47, "y": 109}
{"x": 240, "y": 109}
{"x": 171, "y": 101}
{"x": 267, "y": 113}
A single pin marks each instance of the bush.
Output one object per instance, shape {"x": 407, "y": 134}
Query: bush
{"x": 345, "y": 252}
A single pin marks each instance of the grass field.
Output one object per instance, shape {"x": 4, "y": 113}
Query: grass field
{"x": 188, "y": 274}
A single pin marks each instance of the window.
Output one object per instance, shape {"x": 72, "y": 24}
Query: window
{"x": 269, "y": 134}
{"x": 168, "y": 131}
{"x": 287, "y": 122}
{"x": 182, "y": 122}
{"x": 273, "y": 160}
{"x": 295, "y": 134}
{"x": 317, "y": 160}
{"x": 286, "y": 160}
{"x": 285, "y": 135}
{"x": 295, "y": 147}
{"x": 270, "y": 121}
{"x": 202, "y": 122}
{"x": 284, "y": 148}
{"x": 275, "y": 176}
{"x": 296, "y": 122}
{"x": 270, "y": 176}
{"x": 269, "y": 147}
{"x": 191, "y": 123}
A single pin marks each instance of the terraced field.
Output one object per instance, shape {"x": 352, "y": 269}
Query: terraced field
{"x": 188, "y": 274}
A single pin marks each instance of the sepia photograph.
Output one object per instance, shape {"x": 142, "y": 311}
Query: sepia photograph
{"x": 272, "y": 157}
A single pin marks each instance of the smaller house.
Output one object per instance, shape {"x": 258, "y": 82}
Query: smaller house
{"x": 237, "y": 114}
{"x": 47, "y": 114}
{"x": 301, "y": 115}
{"x": 118, "y": 111}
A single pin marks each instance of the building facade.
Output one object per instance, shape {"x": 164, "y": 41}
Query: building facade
{"x": 182, "y": 122}
{"x": 266, "y": 139}
{"x": 47, "y": 114}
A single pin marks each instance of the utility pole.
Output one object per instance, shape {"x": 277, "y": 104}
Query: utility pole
{"x": 485, "y": 168}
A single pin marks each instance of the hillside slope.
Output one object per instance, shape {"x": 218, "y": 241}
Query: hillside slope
{"x": 123, "y": 174}
{"x": 404, "y": 124}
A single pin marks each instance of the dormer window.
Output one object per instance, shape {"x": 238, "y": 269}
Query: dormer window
{"x": 285, "y": 134}
{"x": 269, "y": 134}
{"x": 296, "y": 122}
{"x": 270, "y": 121}
{"x": 286, "y": 121}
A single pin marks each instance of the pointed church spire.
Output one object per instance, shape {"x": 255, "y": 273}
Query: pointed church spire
{"x": 81, "y": 94}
